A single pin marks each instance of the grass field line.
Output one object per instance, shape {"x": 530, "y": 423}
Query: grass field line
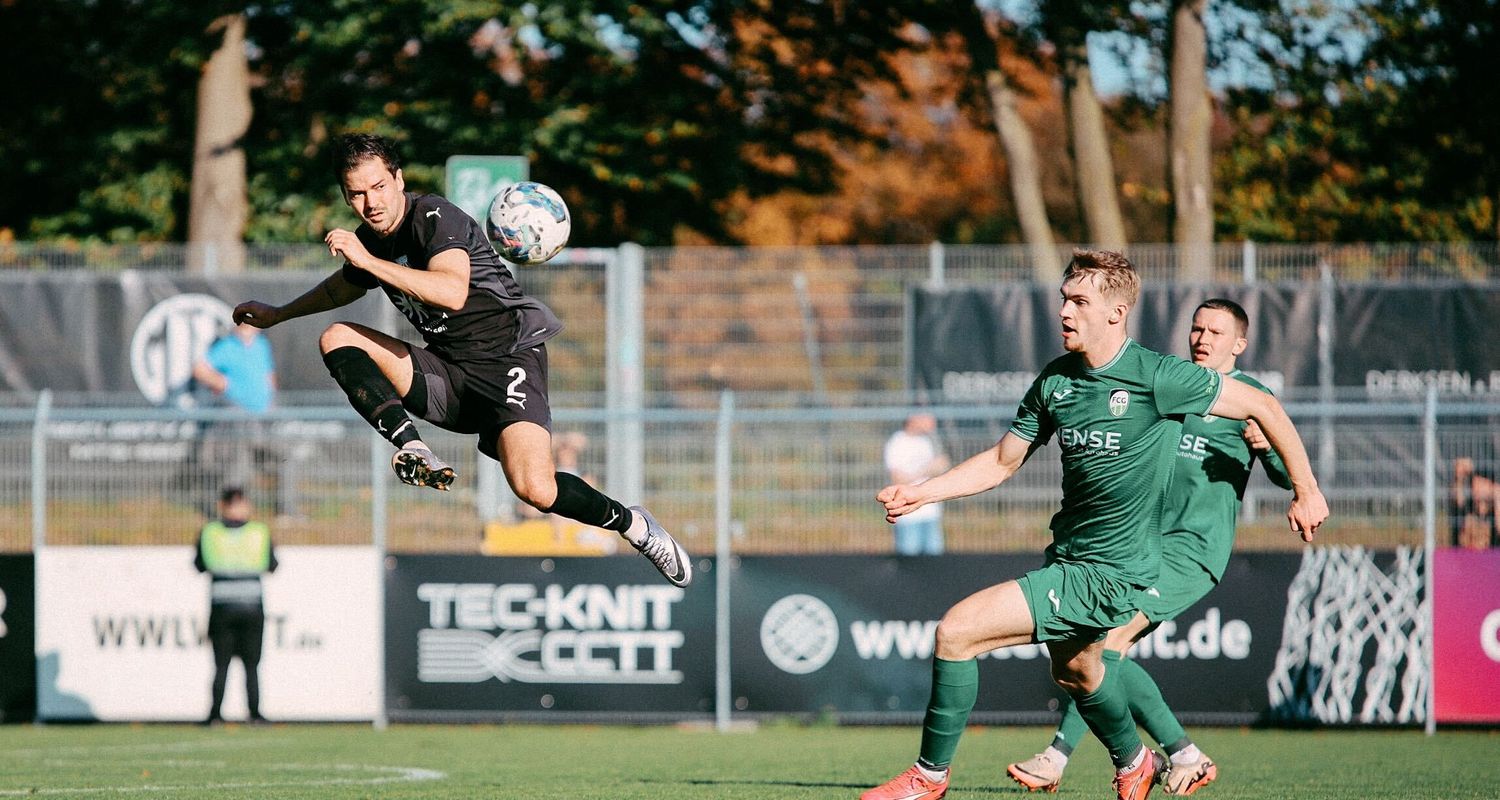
{"x": 390, "y": 775}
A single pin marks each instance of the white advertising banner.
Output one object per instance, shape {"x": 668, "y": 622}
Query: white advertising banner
{"x": 122, "y": 634}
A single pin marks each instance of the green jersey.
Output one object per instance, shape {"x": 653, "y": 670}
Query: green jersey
{"x": 1213, "y": 466}
{"x": 1118, "y": 428}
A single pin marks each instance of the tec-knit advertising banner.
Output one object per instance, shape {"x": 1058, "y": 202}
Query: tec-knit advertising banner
{"x": 123, "y": 636}
{"x": 479, "y": 637}
{"x": 853, "y": 635}
{"x": 1466, "y": 635}
{"x": 17, "y": 639}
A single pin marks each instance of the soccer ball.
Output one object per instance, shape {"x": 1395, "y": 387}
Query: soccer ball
{"x": 528, "y": 223}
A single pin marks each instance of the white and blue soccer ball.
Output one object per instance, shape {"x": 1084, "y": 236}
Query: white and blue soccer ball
{"x": 528, "y": 223}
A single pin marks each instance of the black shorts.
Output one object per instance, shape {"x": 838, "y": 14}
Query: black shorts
{"x": 481, "y": 397}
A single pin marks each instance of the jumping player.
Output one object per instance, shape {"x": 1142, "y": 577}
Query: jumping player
{"x": 1116, "y": 409}
{"x": 484, "y": 369}
{"x": 1214, "y": 460}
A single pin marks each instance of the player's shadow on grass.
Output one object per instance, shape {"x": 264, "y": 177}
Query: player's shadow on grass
{"x": 996, "y": 790}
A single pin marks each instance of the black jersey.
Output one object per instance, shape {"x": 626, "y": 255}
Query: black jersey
{"x": 497, "y": 318}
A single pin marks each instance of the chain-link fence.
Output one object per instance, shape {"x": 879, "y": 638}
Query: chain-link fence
{"x": 801, "y": 480}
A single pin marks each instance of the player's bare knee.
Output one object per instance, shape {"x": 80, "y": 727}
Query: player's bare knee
{"x": 1070, "y": 678}
{"x": 536, "y": 490}
{"x": 337, "y": 335}
{"x": 955, "y": 638}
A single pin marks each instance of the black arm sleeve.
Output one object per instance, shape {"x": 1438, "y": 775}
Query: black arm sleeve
{"x": 198, "y": 555}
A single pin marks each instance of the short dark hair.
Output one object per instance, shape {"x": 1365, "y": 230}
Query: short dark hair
{"x": 1235, "y": 310}
{"x": 353, "y": 149}
{"x": 231, "y": 494}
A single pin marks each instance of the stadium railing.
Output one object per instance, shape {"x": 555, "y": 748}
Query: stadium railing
{"x": 800, "y": 479}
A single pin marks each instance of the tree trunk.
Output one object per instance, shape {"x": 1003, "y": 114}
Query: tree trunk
{"x": 1025, "y": 179}
{"x": 1096, "y": 170}
{"x": 1192, "y": 115}
{"x": 219, "y": 202}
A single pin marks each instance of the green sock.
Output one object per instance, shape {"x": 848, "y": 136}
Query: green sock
{"x": 1072, "y": 728}
{"x": 1147, "y": 705}
{"x": 955, "y": 688}
{"x": 1107, "y": 712}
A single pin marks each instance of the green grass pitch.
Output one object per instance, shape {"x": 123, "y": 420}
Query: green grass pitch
{"x": 616, "y": 763}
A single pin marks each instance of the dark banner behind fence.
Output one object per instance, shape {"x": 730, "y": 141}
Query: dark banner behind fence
{"x": 982, "y": 344}
{"x": 17, "y": 638}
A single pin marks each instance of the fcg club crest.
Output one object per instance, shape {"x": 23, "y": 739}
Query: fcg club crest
{"x": 170, "y": 337}
{"x": 799, "y": 633}
{"x": 1119, "y": 401}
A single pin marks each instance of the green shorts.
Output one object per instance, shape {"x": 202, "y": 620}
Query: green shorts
{"x": 1181, "y": 583}
{"x": 1070, "y": 600}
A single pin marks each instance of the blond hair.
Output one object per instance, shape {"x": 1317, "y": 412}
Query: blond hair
{"x": 1115, "y": 275}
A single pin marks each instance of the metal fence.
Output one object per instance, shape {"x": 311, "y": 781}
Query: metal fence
{"x": 1229, "y": 261}
{"x": 776, "y": 480}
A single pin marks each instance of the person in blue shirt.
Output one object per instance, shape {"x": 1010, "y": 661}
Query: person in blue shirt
{"x": 240, "y": 368}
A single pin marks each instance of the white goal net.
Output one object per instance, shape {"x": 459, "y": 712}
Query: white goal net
{"x": 1353, "y": 645}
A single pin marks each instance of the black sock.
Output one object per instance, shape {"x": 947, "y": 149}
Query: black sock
{"x": 371, "y": 393}
{"x": 579, "y": 501}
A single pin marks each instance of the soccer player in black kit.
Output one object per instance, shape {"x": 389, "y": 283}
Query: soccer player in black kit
{"x": 484, "y": 369}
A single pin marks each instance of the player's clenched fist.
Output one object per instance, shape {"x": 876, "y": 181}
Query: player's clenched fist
{"x": 345, "y": 244}
{"x": 261, "y": 315}
{"x": 900, "y": 499}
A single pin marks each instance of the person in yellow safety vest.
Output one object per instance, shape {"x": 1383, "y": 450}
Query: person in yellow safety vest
{"x": 235, "y": 552}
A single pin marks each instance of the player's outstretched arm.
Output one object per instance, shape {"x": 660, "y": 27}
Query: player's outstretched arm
{"x": 983, "y": 471}
{"x": 333, "y": 292}
{"x": 1240, "y": 401}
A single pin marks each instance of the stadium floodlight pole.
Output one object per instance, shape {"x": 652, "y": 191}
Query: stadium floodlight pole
{"x": 39, "y": 427}
{"x": 723, "y": 459}
{"x": 379, "y": 497}
{"x": 1429, "y": 546}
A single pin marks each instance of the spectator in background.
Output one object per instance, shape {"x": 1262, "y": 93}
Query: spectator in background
{"x": 235, "y": 552}
{"x": 238, "y": 367}
{"x": 1472, "y": 501}
{"x": 912, "y": 455}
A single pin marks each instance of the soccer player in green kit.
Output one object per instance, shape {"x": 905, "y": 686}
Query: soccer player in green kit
{"x": 1116, "y": 409}
{"x": 1214, "y": 460}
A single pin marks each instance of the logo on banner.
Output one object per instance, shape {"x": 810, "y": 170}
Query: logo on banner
{"x": 799, "y": 634}
{"x": 1489, "y": 633}
{"x": 169, "y": 339}
{"x": 588, "y": 633}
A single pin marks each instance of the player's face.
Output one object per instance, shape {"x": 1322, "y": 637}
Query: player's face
{"x": 1215, "y": 339}
{"x": 376, "y": 195}
{"x": 1086, "y": 315}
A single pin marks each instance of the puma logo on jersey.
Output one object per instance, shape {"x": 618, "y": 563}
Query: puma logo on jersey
{"x": 434, "y": 213}
{"x": 520, "y": 401}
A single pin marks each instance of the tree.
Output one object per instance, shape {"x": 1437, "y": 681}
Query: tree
{"x": 216, "y": 219}
{"x": 1191, "y": 162}
{"x": 1378, "y": 127}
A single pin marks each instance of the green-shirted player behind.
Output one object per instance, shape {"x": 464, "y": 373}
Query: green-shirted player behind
{"x": 1116, "y": 409}
{"x": 1214, "y": 460}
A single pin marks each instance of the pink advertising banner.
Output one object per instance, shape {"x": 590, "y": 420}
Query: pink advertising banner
{"x": 1466, "y": 635}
